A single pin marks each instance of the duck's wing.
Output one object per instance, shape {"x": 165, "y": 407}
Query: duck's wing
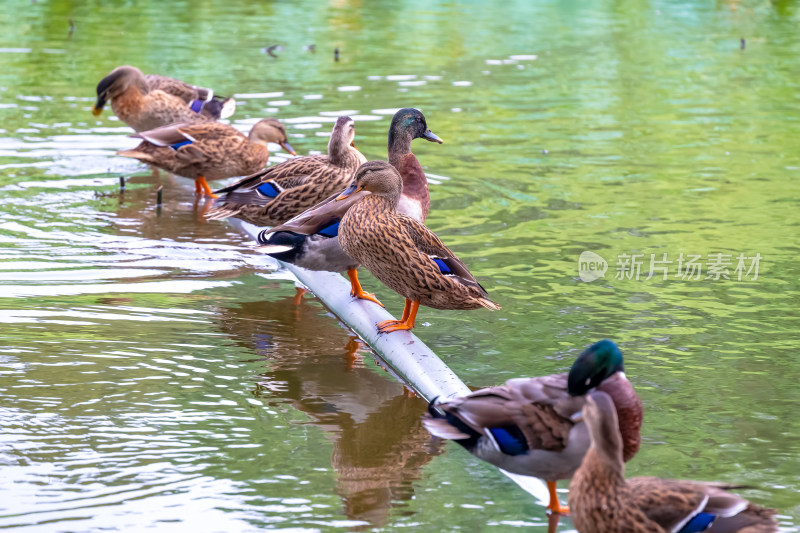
{"x": 285, "y": 175}
{"x": 679, "y": 505}
{"x": 522, "y": 415}
{"x": 166, "y": 135}
{"x": 429, "y": 244}
{"x": 323, "y": 218}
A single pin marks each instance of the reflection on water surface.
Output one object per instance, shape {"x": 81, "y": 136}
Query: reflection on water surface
{"x": 156, "y": 373}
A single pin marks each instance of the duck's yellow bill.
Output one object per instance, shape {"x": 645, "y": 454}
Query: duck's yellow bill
{"x": 97, "y": 111}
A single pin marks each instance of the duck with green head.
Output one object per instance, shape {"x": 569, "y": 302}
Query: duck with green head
{"x": 531, "y": 426}
{"x": 311, "y": 239}
{"x": 603, "y": 501}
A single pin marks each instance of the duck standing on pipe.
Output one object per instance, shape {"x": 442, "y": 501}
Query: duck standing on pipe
{"x": 401, "y": 252}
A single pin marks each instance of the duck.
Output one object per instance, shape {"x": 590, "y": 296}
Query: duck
{"x": 145, "y": 104}
{"x": 603, "y": 501}
{"x": 401, "y": 252}
{"x": 280, "y": 192}
{"x": 311, "y": 240}
{"x": 208, "y": 150}
{"x": 532, "y": 427}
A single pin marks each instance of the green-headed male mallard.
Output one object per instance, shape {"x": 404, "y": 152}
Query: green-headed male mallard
{"x": 401, "y": 252}
{"x": 529, "y": 426}
{"x": 282, "y": 191}
{"x": 208, "y": 150}
{"x": 603, "y": 501}
{"x": 145, "y": 103}
{"x": 311, "y": 240}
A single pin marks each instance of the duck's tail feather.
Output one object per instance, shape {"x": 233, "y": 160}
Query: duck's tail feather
{"x": 282, "y": 245}
{"x": 136, "y": 154}
{"x": 488, "y": 304}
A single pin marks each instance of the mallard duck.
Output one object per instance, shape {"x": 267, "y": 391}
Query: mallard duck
{"x": 275, "y": 195}
{"x": 311, "y": 240}
{"x": 401, "y": 252}
{"x": 208, "y": 150}
{"x": 529, "y": 426}
{"x": 603, "y": 501}
{"x": 144, "y": 107}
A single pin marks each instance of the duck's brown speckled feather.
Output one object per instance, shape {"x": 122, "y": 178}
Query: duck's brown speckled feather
{"x": 395, "y": 248}
{"x": 602, "y": 501}
{"x": 144, "y": 112}
{"x": 303, "y": 181}
{"x": 218, "y": 151}
{"x": 176, "y": 87}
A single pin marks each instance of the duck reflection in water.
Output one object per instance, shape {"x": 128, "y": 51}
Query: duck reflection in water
{"x": 379, "y": 444}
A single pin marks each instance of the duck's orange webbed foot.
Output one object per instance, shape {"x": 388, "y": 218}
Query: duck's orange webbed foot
{"x": 387, "y": 326}
{"x": 356, "y": 291}
{"x": 363, "y": 295}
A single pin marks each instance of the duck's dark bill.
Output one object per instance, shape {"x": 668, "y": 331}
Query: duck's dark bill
{"x": 429, "y": 135}
{"x": 288, "y": 147}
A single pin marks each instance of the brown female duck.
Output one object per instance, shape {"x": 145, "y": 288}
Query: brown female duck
{"x": 529, "y": 426}
{"x": 603, "y": 501}
{"x": 146, "y": 104}
{"x": 401, "y": 252}
{"x": 278, "y": 193}
{"x": 208, "y": 150}
{"x": 310, "y": 240}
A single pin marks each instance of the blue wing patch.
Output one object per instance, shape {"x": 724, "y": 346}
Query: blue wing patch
{"x": 268, "y": 189}
{"x": 508, "y": 443}
{"x": 178, "y": 145}
{"x": 197, "y": 105}
{"x": 331, "y": 230}
{"x": 443, "y": 268}
{"x": 699, "y": 522}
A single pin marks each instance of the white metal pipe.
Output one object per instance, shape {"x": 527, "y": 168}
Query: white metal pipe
{"x": 408, "y": 358}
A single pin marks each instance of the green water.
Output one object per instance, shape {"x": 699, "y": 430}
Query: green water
{"x": 153, "y": 375}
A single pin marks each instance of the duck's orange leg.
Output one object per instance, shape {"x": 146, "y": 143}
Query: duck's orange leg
{"x": 202, "y": 183}
{"x": 555, "y": 506}
{"x": 298, "y": 295}
{"x": 198, "y": 189}
{"x": 405, "y": 323}
{"x": 356, "y": 289}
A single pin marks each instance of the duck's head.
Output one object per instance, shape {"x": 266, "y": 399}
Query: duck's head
{"x": 409, "y": 123}
{"x": 375, "y": 177}
{"x": 599, "y": 362}
{"x": 117, "y": 82}
{"x": 270, "y": 130}
{"x": 343, "y": 134}
{"x": 600, "y": 416}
